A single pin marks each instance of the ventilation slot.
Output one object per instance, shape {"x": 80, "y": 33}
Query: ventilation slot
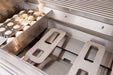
{"x": 82, "y": 72}
{"x": 67, "y": 60}
{"x": 38, "y": 53}
{"x": 90, "y": 56}
{"x": 52, "y": 38}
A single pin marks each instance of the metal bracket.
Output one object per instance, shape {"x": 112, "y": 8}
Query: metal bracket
{"x": 90, "y": 67}
{"x": 45, "y": 48}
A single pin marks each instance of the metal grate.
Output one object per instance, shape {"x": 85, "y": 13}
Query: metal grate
{"x": 102, "y": 8}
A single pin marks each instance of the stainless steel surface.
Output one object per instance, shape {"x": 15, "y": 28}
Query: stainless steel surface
{"x": 100, "y": 10}
{"x": 107, "y": 59}
{"x": 96, "y": 28}
{"x": 83, "y": 34}
{"x": 2, "y": 40}
{"x": 74, "y": 45}
{"x": 76, "y": 17}
{"x": 27, "y": 36}
{"x": 52, "y": 37}
{"x": 45, "y": 48}
{"x": 16, "y": 66}
{"x": 102, "y": 71}
{"x": 88, "y": 66}
{"x": 6, "y": 70}
{"x": 58, "y": 68}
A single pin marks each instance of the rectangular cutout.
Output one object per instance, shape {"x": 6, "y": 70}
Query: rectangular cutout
{"x": 90, "y": 56}
{"x": 82, "y": 72}
{"x": 67, "y": 60}
{"x": 52, "y": 38}
{"x": 38, "y": 53}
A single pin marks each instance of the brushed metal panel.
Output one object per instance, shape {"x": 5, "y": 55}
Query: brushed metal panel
{"x": 17, "y": 66}
{"x": 27, "y": 36}
{"x": 100, "y": 10}
{"x": 85, "y": 65}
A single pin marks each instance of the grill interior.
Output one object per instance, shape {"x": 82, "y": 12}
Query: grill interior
{"x": 53, "y": 45}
